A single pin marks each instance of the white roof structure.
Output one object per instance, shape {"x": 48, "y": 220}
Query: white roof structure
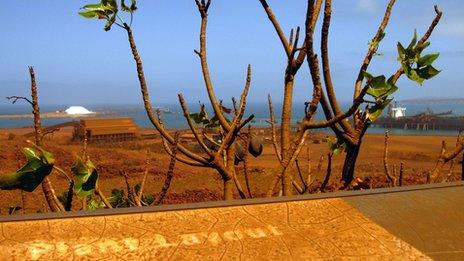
{"x": 77, "y": 110}
{"x": 398, "y": 112}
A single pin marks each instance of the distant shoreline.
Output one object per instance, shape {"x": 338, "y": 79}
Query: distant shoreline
{"x": 433, "y": 101}
{"x": 49, "y": 115}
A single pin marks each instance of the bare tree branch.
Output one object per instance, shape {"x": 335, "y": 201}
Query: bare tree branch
{"x": 328, "y": 173}
{"x": 444, "y": 158}
{"x": 14, "y": 99}
{"x": 373, "y": 48}
{"x": 390, "y": 178}
{"x": 400, "y": 179}
{"x": 192, "y": 126}
{"x": 169, "y": 174}
{"x": 145, "y": 174}
{"x": 273, "y": 129}
{"x": 203, "y": 9}
{"x": 277, "y": 27}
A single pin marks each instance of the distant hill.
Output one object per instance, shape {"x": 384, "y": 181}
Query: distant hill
{"x": 433, "y": 101}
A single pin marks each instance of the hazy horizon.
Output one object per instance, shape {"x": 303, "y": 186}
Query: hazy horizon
{"x": 77, "y": 63}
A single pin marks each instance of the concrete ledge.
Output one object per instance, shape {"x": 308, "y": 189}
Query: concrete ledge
{"x": 403, "y": 223}
{"x": 216, "y": 204}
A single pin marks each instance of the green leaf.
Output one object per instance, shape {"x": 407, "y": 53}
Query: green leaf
{"x": 94, "y": 14}
{"x": 124, "y": 7}
{"x": 427, "y": 59}
{"x": 412, "y": 74}
{"x": 39, "y": 165}
{"x": 130, "y": 9}
{"x": 336, "y": 146}
{"x": 376, "y": 111}
{"x": 367, "y": 75}
{"x": 110, "y": 5}
{"x": 133, "y": 6}
{"x": 117, "y": 198}
{"x": 110, "y": 22}
{"x": 401, "y": 51}
{"x": 94, "y": 205}
{"x": 413, "y": 41}
{"x": 428, "y": 72}
{"x": 379, "y": 87}
{"x": 94, "y": 7}
{"x": 200, "y": 117}
{"x": 106, "y": 9}
{"x": 86, "y": 177}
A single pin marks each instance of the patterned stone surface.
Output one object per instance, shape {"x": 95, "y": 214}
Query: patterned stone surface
{"x": 311, "y": 229}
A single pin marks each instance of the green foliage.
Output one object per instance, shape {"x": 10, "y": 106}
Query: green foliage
{"x": 108, "y": 10}
{"x": 417, "y": 67}
{"x": 146, "y": 199}
{"x": 39, "y": 165}
{"x": 336, "y": 146}
{"x": 202, "y": 117}
{"x": 63, "y": 197}
{"x": 379, "y": 87}
{"x": 117, "y": 198}
{"x": 94, "y": 204}
{"x": 376, "y": 111}
{"x": 86, "y": 177}
{"x": 132, "y": 8}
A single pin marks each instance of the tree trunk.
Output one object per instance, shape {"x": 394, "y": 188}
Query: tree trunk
{"x": 287, "y": 186}
{"x": 229, "y": 189}
{"x": 349, "y": 165}
{"x": 286, "y": 130}
{"x": 47, "y": 188}
{"x": 462, "y": 166}
{"x": 228, "y": 178}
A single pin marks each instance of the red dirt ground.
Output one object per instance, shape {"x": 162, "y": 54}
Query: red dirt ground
{"x": 418, "y": 153}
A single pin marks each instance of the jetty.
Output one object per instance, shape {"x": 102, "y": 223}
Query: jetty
{"x": 425, "y": 121}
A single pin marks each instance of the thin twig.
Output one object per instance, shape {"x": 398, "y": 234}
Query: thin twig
{"x": 145, "y": 174}
{"x": 400, "y": 179}
{"x": 328, "y": 172}
{"x": 14, "y": 99}
{"x": 131, "y": 196}
{"x": 300, "y": 174}
{"x": 444, "y": 158}
{"x": 319, "y": 164}
{"x": 69, "y": 197}
{"x": 245, "y": 163}
{"x": 103, "y": 198}
{"x": 390, "y": 178}
{"x": 169, "y": 174}
{"x": 192, "y": 126}
{"x": 273, "y": 129}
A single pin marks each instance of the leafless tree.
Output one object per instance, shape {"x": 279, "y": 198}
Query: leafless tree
{"x": 445, "y": 157}
{"x": 222, "y": 159}
{"x": 47, "y": 188}
{"x": 348, "y": 133}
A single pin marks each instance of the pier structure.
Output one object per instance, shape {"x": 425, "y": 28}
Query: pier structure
{"x": 421, "y": 123}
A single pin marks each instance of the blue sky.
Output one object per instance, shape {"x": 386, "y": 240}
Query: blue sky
{"x": 78, "y": 63}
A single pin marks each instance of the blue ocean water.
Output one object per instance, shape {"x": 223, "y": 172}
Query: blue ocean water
{"x": 175, "y": 118}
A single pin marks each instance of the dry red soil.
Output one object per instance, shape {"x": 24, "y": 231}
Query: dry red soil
{"x": 191, "y": 184}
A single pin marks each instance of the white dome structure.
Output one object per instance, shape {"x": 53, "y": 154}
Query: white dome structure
{"x": 77, "y": 110}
